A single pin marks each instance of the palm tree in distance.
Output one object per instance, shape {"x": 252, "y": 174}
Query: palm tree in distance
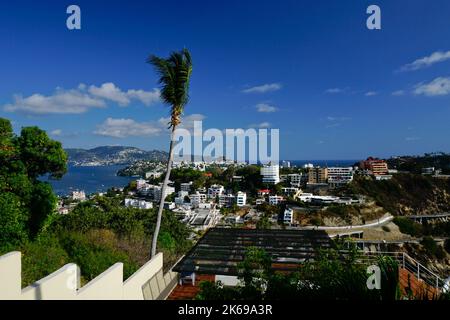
{"x": 174, "y": 75}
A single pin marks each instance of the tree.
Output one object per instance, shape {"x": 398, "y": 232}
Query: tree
{"x": 23, "y": 159}
{"x": 174, "y": 76}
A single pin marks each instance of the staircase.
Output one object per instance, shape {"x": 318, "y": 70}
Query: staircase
{"x": 415, "y": 279}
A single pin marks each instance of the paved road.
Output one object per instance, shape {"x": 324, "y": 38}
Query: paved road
{"x": 382, "y": 221}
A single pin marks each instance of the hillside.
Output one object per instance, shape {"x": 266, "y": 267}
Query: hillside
{"x": 415, "y": 164}
{"x": 406, "y": 194}
{"x": 112, "y": 155}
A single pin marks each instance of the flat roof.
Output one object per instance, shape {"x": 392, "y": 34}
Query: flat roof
{"x": 221, "y": 250}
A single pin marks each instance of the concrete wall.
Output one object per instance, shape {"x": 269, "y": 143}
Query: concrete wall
{"x": 64, "y": 283}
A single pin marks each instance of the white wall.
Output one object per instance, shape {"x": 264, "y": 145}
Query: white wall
{"x": 64, "y": 283}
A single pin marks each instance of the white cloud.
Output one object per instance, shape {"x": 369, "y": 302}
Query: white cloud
{"x": 122, "y": 128}
{"x": 268, "y": 87}
{"x": 110, "y": 91}
{"x": 412, "y": 138}
{"x": 56, "y": 132}
{"x": 266, "y": 108}
{"x": 330, "y": 118}
{"x": 435, "y": 57}
{"x": 438, "y": 87}
{"x": 334, "y": 90}
{"x": 79, "y": 100}
{"x": 61, "y": 102}
{"x": 370, "y": 93}
{"x": 261, "y": 125}
{"x": 398, "y": 93}
{"x": 146, "y": 97}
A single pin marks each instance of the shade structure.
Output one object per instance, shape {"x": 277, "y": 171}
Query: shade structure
{"x": 221, "y": 250}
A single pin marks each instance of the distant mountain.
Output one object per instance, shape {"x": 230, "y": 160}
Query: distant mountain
{"x": 112, "y": 155}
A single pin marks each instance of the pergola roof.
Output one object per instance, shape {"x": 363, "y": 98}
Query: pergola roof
{"x": 220, "y": 250}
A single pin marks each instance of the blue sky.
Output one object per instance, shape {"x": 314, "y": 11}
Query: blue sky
{"x": 335, "y": 89}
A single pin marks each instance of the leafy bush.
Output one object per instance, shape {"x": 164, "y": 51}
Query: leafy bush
{"x": 408, "y": 226}
{"x": 41, "y": 257}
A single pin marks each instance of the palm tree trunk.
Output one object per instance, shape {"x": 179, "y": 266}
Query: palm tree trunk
{"x": 163, "y": 191}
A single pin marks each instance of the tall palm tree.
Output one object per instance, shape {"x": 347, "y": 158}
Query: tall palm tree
{"x": 174, "y": 76}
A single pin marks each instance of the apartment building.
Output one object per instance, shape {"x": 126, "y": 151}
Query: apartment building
{"x": 186, "y": 186}
{"x": 275, "y": 200}
{"x": 339, "y": 176}
{"x": 288, "y": 216}
{"x": 270, "y": 174}
{"x": 377, "y": 167}
{"x": 197, "y": 198}
{"x": 226, "y": 200}
{"x": 215, "y": 190}
{"x": 157, "y": 192}
{"x": 241, "y": 199}
{"x": 317, "y": 175}
{"x": 136, "y": 203}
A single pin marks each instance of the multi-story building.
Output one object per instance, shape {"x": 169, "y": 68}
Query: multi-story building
{"x": 275, "y": 200}
{"x": 263, "y": 192}
{"x": 288, "y": 216}
{"x": 157, "y": 192}
{"x": 317, "y": 175}
{"x": 78, "y": 195}
{"x": 197, "y": 198}
{"x": 215, "y": 190}
{"x": 270, "y": 174}
{"x": 375, "y": 166}
{"x": 241, "y": 199}
{"x": 226, "y": 200}
{"x": 296, "y": 179}
{"x": 290, "y": 191}
{"x": 186, "y": 186}
{"x": 338, "y": 176}
{"x": 136, "y": 203}
{"x": 286, "y": 164}
{"x": 141, "y": 184}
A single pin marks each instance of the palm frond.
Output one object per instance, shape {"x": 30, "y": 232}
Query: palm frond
{"x": 174, "y": 77}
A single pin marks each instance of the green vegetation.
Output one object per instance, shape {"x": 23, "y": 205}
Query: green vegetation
{"x": 331, "y": 276}
{"x": 95, "y": 235}
{"x": 432, "y": 249}
{"x": 26, "y": 202}
{"x": 405, "y": 193}
{"x": 416, "y": 164}
{"x": 408, "y": 226}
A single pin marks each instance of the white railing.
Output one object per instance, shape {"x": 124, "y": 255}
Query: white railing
{"x": 412, "y": 265}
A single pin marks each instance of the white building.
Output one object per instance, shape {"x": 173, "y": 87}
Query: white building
{"x": 78, "y": 195}
{"x": 286, "y": 164}
{"x": 241, "y": 199}
{"x": 136, "y": 203}
{"x": 296, "y": 179}
{"x": 153, "y": 174}
{"x": 141, "y": 184}
{"x": 288, "y": 215}
{"x": 275, "y": 200}
{"x": 270, "y": 174}
{"x": 186, "y": 186}
{"x": 215, "y": 190}
{"x": 338, "y": 176}
{"x": 157, "y": 192}
{"x": 197, "y": 198}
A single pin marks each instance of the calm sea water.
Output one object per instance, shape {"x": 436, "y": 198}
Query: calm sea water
{"x": 89, "y": 179}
